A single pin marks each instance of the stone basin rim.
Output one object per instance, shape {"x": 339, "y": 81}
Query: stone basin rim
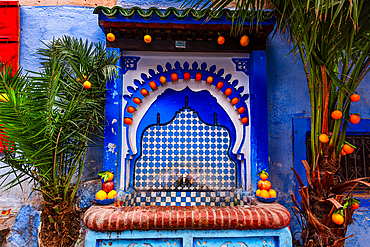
{"x": 260, "y": 216}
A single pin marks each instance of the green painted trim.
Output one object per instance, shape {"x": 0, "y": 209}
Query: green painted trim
{"x": 180, "y": 15}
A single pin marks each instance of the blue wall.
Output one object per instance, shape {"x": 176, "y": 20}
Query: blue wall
{"x": 287, "y": 92}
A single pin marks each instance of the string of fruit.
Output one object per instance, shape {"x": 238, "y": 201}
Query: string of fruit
{"x": 264, "y": 186}
{"x": 107, "y": 191}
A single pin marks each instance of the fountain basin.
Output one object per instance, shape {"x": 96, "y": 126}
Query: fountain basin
{"x": 259, "y": 216}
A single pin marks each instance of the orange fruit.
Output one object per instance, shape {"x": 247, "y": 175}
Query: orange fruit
{"x": 356, "y": 205}
{"x": 355, "y": 97}
{"x": 264, "y": 194}
{"x": 162, "y": 79}
{"x": 264, "y": 176}
{"x": 348, "y": 149}
{"x": 130, "y": 109}
{"x": 186, "y": 76}
{"x": 337, "y": 219}
{"x": 355, "y": 119}
{"x": 258, "y": 192}
{"x": 87, "y": 85}
{"x": 111, "y": 37}
{"x": 241, "y": 110}
{"x": 244, "y": 120}
{"x": 264, "y": 184}
{"x": 220, "y": 40}
{"x": 101, "y": 195}
{"x": 110, "y": 176}
{"x": 198, "y": 77}
{"x": 324, "y": 138}
{"x": 152, "y": 85}
{"x": 174, "y": 77}
{"x": 127, "y": 121}
{"x": 136, "y": 100}
{"x": 144, "y": 92}
{"x": 220, "y": 84}
{"x": 342, "y": 152}
{"x": 209, "y": 79}
{"x": 112, "y": 194}
{"x": 272, "y": 193}
{"x": 336, "y": 114}
{"x": 235, "y": 101}
{"x": 147, "y": 38}
{"x": 228, "y": 91}
{"x": 244, "y": 40}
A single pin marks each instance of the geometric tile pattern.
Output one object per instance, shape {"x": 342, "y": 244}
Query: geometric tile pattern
{"x": 185, "y": 198}
{"x": 185, "y": 154}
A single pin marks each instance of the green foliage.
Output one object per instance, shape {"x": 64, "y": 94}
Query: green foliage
{"x": 333, "y": 41}
{"x": 49, "y": 117}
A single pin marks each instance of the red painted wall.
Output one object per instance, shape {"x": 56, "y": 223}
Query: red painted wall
{"x": 9, "y": 42}
{"x": 9, "y": 33}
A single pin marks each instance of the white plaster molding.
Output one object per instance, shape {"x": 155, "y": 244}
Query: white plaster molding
{"x": 180, "y": 85}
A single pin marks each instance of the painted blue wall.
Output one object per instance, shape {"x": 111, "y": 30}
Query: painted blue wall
{"x": 287, "y": 99}
{"x": 287, "y": 91}
{"x": 42, "y": 24}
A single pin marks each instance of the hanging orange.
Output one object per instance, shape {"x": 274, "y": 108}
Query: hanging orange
{"x": 111, "y": 37}
{"x": 144, "y": 92}
{"x": 220, "y": 84}
{"x": 209, "y": 79}
{"x": 220, "y": 40}
{"x": 198, "y": 77}
{"x": 348, "y": 149}
{"x": 228, "y": 91}
{"x": 152, "y": 85}
{"x": 355, "y": 119}
{"x": 174, "y": 77}
{"x": 87, "y": 85}
{"x": 127, "y": 121}
{"x": 130, "y": 109}
{"x": 355, "y": 97}
{"x": 235, "y": 101}
{"x": 136, "y": 100}
{"x": 244, "y": 40}
{"x": 147, "y": 39}
{"x": 244, "y": 120}
{"x": 336, "y": 114}
{"x": 241, "y": 110}
{"x": 162, "y": 79}
{"x": 324, "y": 138}
{"x": 337, "y": 219}
{"x": 186, "y": 76}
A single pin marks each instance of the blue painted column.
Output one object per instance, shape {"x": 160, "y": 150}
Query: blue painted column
{"x": 112, "y": 140}
{"x": 258, "y": 117}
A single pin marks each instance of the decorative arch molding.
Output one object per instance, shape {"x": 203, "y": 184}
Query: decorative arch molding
{"x": 116, "y": 149}
{"x": 177, "y": 78}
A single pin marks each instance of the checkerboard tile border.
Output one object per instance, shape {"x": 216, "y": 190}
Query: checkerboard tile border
{"x": 186, "y": 198}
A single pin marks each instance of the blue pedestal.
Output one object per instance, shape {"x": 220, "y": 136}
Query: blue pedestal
{"x": 191, "y": 238}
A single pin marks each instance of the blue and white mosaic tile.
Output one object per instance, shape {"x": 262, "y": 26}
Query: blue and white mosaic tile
{"x": 185, "y": 154}
{"x": 186, "y": 198}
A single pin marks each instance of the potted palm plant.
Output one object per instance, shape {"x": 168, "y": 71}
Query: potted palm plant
{"x": 49, "y": 117}
{"x": 332, "y": 39}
